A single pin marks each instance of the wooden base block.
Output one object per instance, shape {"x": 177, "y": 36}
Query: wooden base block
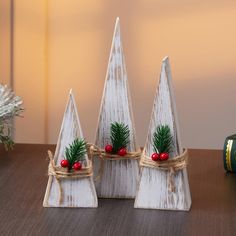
{"x": 153, "y": 192}
{"x": 118, "y": 180}
{"x": 76, "y": 193}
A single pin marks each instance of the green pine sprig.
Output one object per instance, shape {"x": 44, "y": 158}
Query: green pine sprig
{"x": 76, "y": 151}
{"x": 162, "y": 139}
{"x": 120, "y": 135}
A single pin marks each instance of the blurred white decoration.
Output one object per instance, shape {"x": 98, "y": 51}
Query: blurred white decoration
{"x": 10, "y": 106}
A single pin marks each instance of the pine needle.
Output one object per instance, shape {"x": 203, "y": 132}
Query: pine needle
{"x": 120, "y": 135}
{"x": 162, "y": 139}
{"x": 76, "y": 151}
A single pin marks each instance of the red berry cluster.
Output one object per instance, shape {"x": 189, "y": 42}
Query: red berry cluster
{"x": 160, "y": 157}
{"x": 121, "y": 152}
{"x": 76, "y": 166}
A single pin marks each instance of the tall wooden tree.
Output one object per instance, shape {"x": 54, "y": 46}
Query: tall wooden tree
{"x": 119, "y": 178}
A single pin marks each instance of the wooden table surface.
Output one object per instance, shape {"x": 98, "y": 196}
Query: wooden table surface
{"x": 23, "y": 179}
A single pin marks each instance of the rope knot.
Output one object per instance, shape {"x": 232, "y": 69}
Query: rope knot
{"x": 172, "y": 166}
{"x": 63, "y": 173}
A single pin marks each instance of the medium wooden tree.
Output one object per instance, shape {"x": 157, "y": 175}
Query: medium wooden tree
{"x": 153, "y": 191}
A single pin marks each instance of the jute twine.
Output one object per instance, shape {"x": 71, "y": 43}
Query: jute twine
{"x": 62, "y": 173}
{"x": 172, "y": 165}
{"x": 104, "y": 156}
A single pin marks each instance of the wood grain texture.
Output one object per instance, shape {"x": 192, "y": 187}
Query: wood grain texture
{"x": 22, "y": 185}
{"x": 119, "y": 178}
{"x": 153, "y": 191}
{"x": 76, "y": 192}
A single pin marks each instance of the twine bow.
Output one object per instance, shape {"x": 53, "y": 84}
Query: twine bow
{"x": 63, "y": 173}
{"x": 172, "y": 165}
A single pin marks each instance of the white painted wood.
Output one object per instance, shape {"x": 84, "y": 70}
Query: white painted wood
{"x": 76, "y": 192}
{"x": 153, "y": 190}
{"x": 119, "y": 178}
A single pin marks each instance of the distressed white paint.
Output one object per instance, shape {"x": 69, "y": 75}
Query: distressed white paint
{"x": 153, "y": 190}
{"x": 76, "y": 192}
{"x": 119, "y": 178}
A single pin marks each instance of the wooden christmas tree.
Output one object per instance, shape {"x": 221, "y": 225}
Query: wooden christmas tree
{"x": 77, "y": 191}
{"x": 165, "y": 186}
{"x": 117, "y": 178}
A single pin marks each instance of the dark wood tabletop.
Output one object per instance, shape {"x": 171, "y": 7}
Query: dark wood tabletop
{"x": 23, "y": 179}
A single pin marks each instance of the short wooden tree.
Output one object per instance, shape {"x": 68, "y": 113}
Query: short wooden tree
{"x": 69, "y": 192}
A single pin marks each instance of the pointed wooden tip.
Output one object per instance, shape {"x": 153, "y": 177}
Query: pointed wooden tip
{"x": 117, "y": 24}
{"x": 71, "y": 97}
{"x": 117, "y": 20}
{"x": 166, "y": 65}
{"x": 71, "y": 92}
{"x": 165, "y": 59}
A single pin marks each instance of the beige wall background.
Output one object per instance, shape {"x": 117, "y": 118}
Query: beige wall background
{"x": 5, "y": 41}
{"x": 59, "y": 45}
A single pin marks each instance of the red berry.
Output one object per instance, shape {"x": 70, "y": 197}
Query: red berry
{"x": 122, "y": 152}
{"x": 77, "y": 166}
{"x": 164, "y": 156}
{"x": 155, "y": 156}
{"x": 108, "y": 148}
{"x": 65, "y": 163}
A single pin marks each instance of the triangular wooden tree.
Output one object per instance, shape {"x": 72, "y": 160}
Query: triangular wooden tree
{"x": 119, "y": 178}
{"x": 153, "y": 190}
{"x": 76, "y": 192}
